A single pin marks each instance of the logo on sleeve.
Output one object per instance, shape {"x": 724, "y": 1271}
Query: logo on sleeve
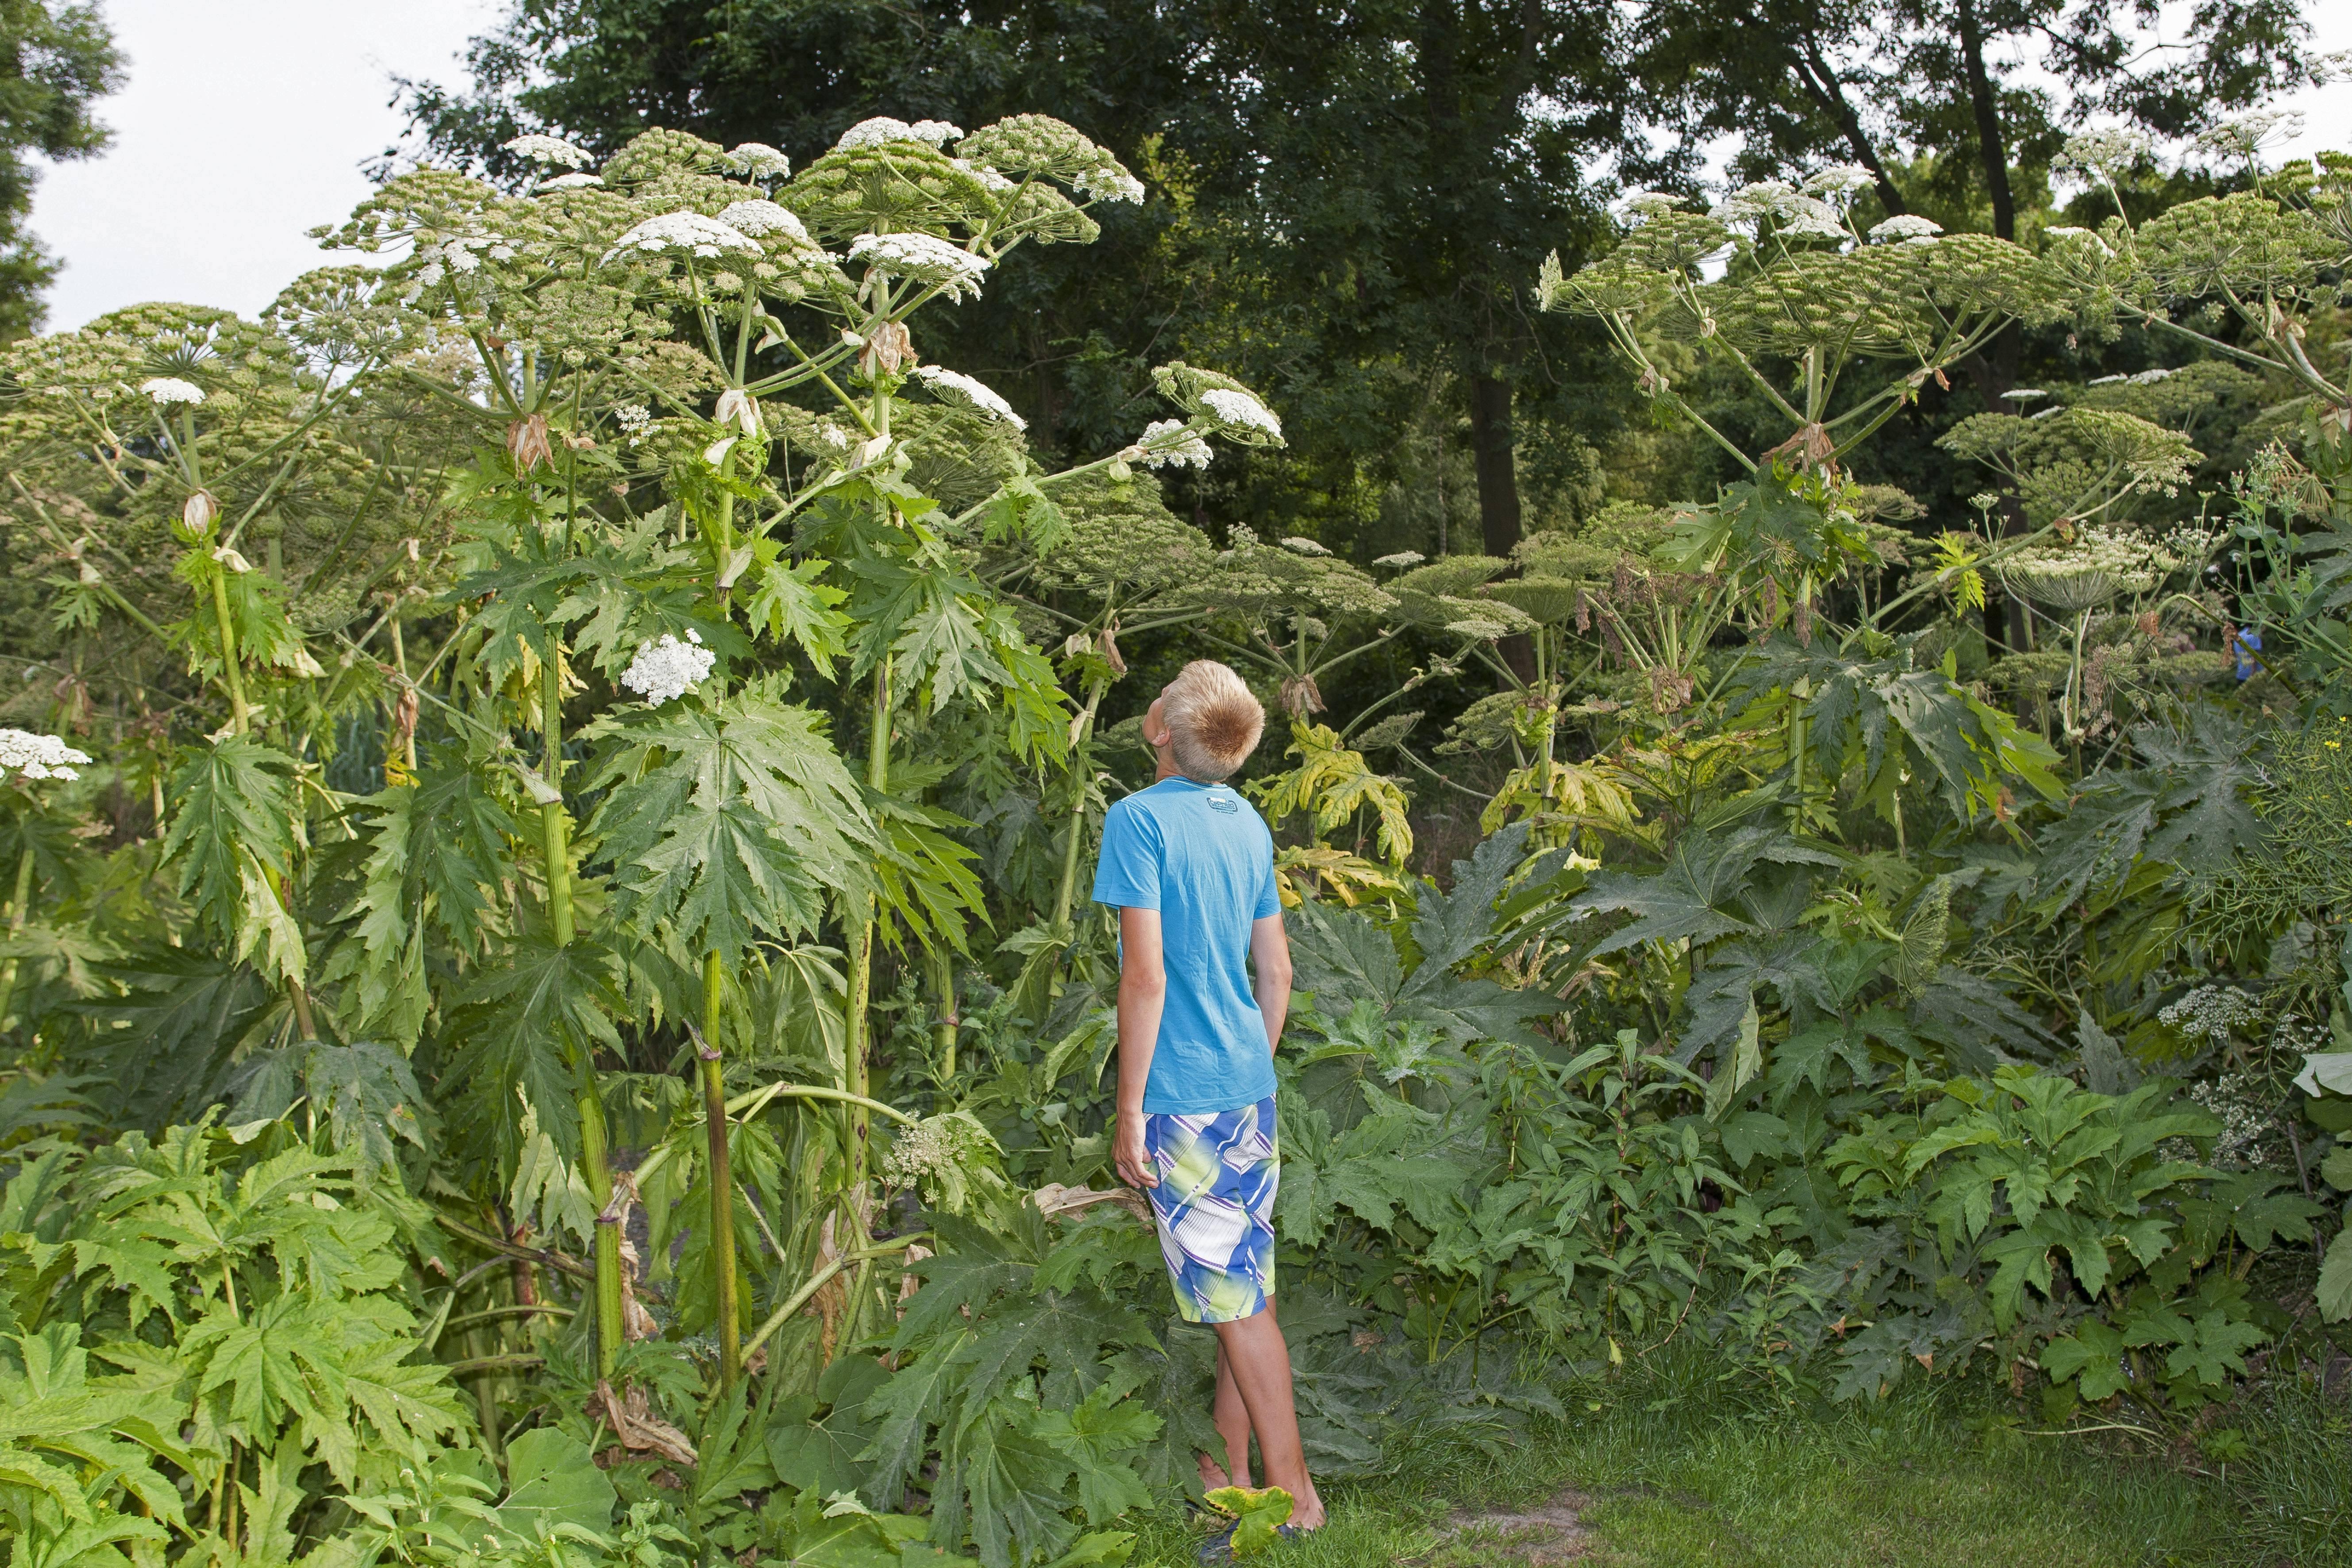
{"x": 1218, "y": 800}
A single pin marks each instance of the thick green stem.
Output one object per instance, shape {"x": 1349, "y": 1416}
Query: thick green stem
{"x": 300, "y": 995}
{"x": 1797, "y": 739}
{"x": 555, "y": 829}
{"x": 943, "y": 997}
{"x": 19, "y": 902}
{"x": 400, "y": 662}
{"x": 816, "y": 1281}
{"x": 240, "y": 718}
{"x": 2070, "y": 712}
{"x": 861, "y": 977}
{"x": 555, "y": 838}
{"x": 599, "y": 1171}
{"x": 722, "y": 1176}
{"x": 1080, "y": 767}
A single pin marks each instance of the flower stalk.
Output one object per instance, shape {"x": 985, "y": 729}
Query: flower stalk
{"x": 555, "y": 838}
{"x": 861, "y": 976}
{"x": 723, "y": 1183}
{"x": 240, "y": 716}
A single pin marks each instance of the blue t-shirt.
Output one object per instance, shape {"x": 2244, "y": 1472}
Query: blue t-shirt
{"x": 1201, "y": 855}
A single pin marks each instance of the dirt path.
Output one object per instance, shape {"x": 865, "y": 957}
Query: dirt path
{"x": 1551, "y": 1532}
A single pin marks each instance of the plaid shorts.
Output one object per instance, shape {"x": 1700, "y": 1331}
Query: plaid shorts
{"x": 1215, "y": 1207}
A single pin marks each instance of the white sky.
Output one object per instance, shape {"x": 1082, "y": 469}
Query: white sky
{"x": 246, "y": 122}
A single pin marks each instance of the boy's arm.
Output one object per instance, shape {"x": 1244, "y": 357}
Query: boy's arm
{"x": 1142, "y": 992}
{"x": 1270, "y": 959}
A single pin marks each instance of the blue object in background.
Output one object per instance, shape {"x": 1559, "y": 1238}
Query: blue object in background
{"x": 2244, "y": 644}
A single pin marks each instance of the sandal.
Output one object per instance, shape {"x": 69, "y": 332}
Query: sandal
{"x": 1219, "y": 1548}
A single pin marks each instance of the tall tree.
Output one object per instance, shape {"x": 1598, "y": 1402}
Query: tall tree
{"x": 54, "y": 61}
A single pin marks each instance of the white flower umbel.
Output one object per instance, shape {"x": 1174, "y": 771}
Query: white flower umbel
{"x": 1905, "y": 225}
{"x": 2103, "y": 152}
{"x": 997, "y": 183}
{"x": 758, "y": 160}
{"x": 1764, "y": 198}
{"x": 1240, "y": 411}
{"x": 2211, "y": 1011}
{"x": 924, "y": 259}
{"x": 1110, "y": 186}
{"x": 759, "y": 217}
{"x": 1842, "y": 180}
{"x": 570, "y": 182}
{"x": 2068, "y": 234}
{"x": 2024, "y": 394}
{"x": 666, "y": 668}
{"x": 1299, "y": 543}
{"x": 541, "y": 149}
{"x": 2102, "y": 564}
{"x": 2246, "y": 133}
{"x": 1172, "y": 442}
{"x": 1809, "y": 217}
{"x": 1648, "y": 204}
{"x": 883, "y": 128}
{"x": 683, "y": 231}
{"x": 37, "y": 756}
{"x": 1402, "y": 558}
{"x": 954, "y": 386}
{"x": 170, "y": 389}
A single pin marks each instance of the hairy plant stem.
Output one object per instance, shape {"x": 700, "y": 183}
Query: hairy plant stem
{"x": 555, "y": 831}
{"x": 2070, "y": 714}
{"x": 20, "y": 902}
{"x": 400, "y": 662}
{"x": 240, "y": 718}
{"x": 1067, "y": 894}
{"x": 1797, "y": 740}
{"x": 592, "y": 1157}
{"x": 816, "y": 1281}
{"x": 722, "y": 1176}
{"x": 861, "y": 976}
{"x": 943, "y": 994}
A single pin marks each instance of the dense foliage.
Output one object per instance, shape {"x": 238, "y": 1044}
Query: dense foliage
{"x": 554, "y": 927}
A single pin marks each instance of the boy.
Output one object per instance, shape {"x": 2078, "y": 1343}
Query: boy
{"x": 1190, "y": 866}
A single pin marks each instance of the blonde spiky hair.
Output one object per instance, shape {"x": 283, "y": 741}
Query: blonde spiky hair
{"x": 1213, "y": 721}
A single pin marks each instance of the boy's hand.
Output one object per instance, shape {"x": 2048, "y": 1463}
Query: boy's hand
{"x": 1127, "y": 1155}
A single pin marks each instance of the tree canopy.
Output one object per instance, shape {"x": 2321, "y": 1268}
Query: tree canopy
{"x": 56, "y": 61}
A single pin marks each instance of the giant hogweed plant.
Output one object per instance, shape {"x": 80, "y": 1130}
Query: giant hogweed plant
{"x": 2243, "y": 277}
{"x": 193, "y": 1322}
{"x": 705, "y": 453}
{"x": 1737, "y": 931}
{"x": 798, "y": 526}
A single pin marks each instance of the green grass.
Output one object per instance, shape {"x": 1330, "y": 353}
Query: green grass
{"x": 1677, "y": 1471}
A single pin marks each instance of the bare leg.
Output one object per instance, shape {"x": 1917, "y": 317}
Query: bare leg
{"x": 1260, "y": 1363}
{"x": 1232, "y": 1417}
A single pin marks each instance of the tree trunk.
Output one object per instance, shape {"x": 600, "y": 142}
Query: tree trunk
{"x": 1498, "y": 477}
{"x": 1995, "y": 368}
{"x": 1498, "y": 489}
{"x": 1990, "y": 147}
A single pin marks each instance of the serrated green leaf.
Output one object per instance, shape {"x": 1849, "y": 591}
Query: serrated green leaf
{"x": 729, "y": 824}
